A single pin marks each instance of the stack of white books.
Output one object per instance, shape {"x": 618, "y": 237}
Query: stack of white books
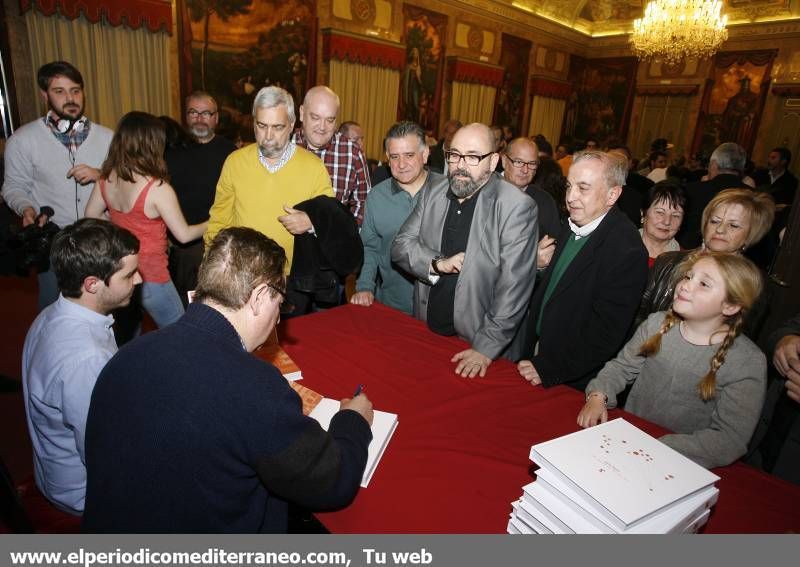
{"x": 613, "y": 478}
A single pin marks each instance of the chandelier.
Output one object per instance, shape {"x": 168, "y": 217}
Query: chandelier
{"x": 672, "y": 30}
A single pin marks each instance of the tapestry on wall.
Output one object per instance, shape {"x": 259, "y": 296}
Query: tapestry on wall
{"x": 239, "y": 46}
{"x": 424, "y": 34}
{"x": 514, "y": 58}
{"x": 733, "y": 100}
{"x": 601, "y": 100}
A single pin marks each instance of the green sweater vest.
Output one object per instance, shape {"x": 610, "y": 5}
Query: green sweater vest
{"x": 571, "y": 249}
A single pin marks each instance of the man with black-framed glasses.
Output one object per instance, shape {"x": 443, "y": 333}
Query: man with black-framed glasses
{"x": 470, "y": 242}
{"x": 215, "y": 440}
{"x": 194, "y": 171}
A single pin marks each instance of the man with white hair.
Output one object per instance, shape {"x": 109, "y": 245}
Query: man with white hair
{"x": 586, "y": 300}
{"x": 724, "y": 172}
{"x": 342, "y": 156}
{"x": 260, "y": 183}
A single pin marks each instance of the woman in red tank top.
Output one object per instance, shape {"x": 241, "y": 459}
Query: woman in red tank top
{"x": 135, "y": 194}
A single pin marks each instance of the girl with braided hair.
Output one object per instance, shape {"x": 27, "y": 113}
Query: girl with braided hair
{"x": 691, "y": 369}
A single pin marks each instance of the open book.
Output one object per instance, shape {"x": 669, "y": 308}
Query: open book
{"x": 383, "y": 426}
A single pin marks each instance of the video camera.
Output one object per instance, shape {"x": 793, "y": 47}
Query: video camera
{"x": 31, "y": 245}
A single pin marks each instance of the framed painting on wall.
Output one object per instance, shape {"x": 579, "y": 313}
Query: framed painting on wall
{"x": 600, "y": 104}
{"x": 733, "y": 100}
{"x": 424, "y": 34}
{"x": 514, "y": 57}
{"x": 232, "y": 48}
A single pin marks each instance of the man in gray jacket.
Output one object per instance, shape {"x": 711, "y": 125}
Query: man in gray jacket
{"x": 55, "y": 160}
{"x": 471, "y": 243}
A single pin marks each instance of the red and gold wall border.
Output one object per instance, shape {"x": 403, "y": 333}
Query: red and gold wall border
{"x": 467, "y": 71}
{"x": 550, "y": 88}
{"x": 156, "y": 15}
{"x": 343, "y": 46}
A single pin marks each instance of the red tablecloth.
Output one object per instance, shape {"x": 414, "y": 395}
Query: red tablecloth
{"x": 459, "y": 456}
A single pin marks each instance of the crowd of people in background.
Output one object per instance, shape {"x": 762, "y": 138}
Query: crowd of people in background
{"x": 641, "y": 282}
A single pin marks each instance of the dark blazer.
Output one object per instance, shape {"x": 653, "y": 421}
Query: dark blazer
{"x": 587, "y": 318}
{"x": 321, "y": 259}
{"x": 698, "y": 195}
{"x": 783, "y": 189}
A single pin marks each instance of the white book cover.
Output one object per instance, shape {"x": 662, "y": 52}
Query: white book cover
{"x": 630, "y": 474}
{"x": 695, "y": 526}
{"x": 383, "y": 426}
{"x": 671, "y": 519}
{"x": 533, "y": 525}
{"x": 529, "y": 506}
{"x": 537, "y": 495}
{"x": 520, "y": 527}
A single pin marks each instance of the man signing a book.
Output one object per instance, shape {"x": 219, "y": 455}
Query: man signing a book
{"x": 190, "y": 433}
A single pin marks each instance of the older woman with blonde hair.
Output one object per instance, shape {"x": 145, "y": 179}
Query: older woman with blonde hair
{"x": 733, "y": 221}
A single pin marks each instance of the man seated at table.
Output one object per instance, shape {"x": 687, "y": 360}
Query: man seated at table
{"x": 471, "y": 243}
{"x": 188, "y": 432}
{"x": 96, "y": 266}
{"x": 388, "y": 206}
{"x": 585, "y": 303}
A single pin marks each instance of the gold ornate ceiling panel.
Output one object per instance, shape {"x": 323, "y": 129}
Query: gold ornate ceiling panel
{"x": 611, "y": 17}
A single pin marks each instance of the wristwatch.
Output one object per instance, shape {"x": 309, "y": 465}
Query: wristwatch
{"x": 597, "y": 394}
{"x": 434, "y": 269}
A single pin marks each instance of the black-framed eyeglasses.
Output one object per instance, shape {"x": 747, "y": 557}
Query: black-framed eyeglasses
{"x": 286, "y": 307}
{"x": 518, "y": 163}
{"x": 192, "y": 113}
{"x": 470, "y": 159}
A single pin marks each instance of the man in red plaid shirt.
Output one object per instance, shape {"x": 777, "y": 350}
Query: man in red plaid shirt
{"x": 342, "y": 157}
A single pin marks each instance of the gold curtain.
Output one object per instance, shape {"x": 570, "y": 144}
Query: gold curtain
{"x": 368, "y": 95}
{"x": 546, "y": 117}
{"x": 471, "y": 102}
{"x": 122, "y": 69}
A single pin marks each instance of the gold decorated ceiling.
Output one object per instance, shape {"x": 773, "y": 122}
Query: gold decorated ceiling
{"x": 610, "y": 17}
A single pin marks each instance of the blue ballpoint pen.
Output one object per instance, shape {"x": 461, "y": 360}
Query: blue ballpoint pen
{"x": 359, "y": 390}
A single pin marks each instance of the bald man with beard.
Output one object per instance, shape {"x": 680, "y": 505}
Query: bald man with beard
{"x": 470, "y": 242}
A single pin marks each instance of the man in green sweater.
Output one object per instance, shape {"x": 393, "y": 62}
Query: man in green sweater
{"x": 584, "y": 305}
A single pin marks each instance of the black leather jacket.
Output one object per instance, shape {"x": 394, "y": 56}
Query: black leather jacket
{"x": 661, "y": 287}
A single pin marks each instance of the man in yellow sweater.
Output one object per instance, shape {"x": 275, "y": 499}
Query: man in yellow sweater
{"x": 261, "y": 183}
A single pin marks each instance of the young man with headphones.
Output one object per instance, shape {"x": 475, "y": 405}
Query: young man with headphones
{"x": 54, "y": 160}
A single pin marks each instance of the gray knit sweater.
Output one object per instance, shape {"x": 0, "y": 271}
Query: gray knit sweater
{"x": 713, "y": 433}
{"x": 36, "y": 166}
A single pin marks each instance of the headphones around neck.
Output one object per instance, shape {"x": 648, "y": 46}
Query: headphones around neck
{"x": 64, "y": 125}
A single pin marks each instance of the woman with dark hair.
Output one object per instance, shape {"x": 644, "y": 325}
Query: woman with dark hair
{"x": 550, "y": 178}
{"x": 176, "y": 134}
{"x": 134, "y": 192}
{"x": 733, "y": 221}
{"x": 662, "y": 215}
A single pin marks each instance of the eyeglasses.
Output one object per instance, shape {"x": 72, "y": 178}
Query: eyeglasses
{"x": 192, "y": 113}
{"x": 286, "y": 307}
{"x": 519, "y": 164}
{"x": 471, "y": 160}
